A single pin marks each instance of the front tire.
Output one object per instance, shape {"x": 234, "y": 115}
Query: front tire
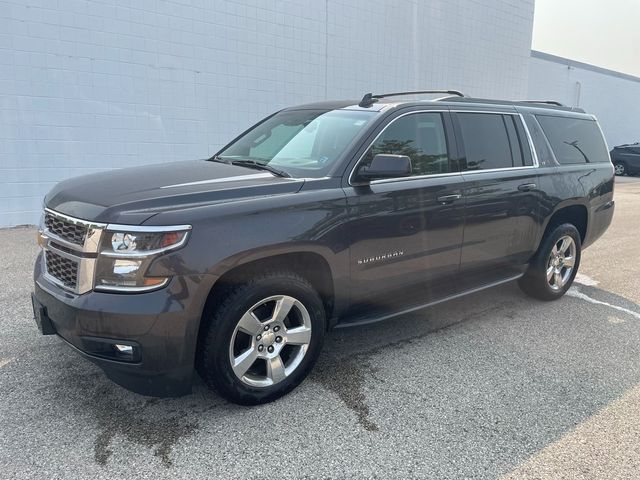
{"x": 555, "y": 264}
{"x": 263, "y": 339}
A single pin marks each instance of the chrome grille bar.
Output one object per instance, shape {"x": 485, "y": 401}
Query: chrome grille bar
{"x": 70, "y": 248}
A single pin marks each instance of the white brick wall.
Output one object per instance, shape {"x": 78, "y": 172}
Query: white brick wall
{"x": 88, "y": 85}
{"x": 610, "y": 96}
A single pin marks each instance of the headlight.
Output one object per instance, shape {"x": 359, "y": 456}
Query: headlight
{"x": 125, "y": 256}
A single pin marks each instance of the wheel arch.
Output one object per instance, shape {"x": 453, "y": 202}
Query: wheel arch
{"x": 310, "y": 264}
{"x": 576, "y": 214}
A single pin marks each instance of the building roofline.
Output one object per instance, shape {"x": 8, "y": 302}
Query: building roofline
{"x": 585, "y": 66}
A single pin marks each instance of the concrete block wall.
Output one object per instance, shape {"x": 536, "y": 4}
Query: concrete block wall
{"x": 89, "y": 85}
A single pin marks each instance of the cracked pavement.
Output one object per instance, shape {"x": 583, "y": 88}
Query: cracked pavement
{"x": 494, "y": 385}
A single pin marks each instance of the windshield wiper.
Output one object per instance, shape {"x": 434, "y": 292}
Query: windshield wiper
{"x": 219, "y": 159}
{"x": 250, "y": 164}
{"x": 256, "y": 165}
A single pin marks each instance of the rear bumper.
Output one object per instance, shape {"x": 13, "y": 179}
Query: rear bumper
{"x": 161, "y": 326}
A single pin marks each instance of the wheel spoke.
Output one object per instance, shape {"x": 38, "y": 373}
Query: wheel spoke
{"x": 243, "y": 362}
{"x": 554, "y": 250}
{"x": 269, "y": 336}
{"x": 549, "y": 273}
{"x": 299, "y": 335}
{"x": 557, "y": 278}
{"x": 250, "y": 324}
{"x": 566, "y": 243}
{"x": 275, "y": 369}
{"x": 282, "y": 309}
{"x": 569, "y": 262}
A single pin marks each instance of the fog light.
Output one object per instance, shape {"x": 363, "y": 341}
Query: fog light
{"x": 124, "y": 349}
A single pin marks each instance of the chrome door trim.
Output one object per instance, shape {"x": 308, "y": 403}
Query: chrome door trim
{"x": 534, "y": 155}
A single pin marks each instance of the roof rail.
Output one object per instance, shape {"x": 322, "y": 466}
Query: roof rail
{"x": 548, "y": 102}
{"x": 369, "y": 98}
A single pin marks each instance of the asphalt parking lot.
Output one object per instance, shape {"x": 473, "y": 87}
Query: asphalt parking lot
{"x": 495, "y": 385}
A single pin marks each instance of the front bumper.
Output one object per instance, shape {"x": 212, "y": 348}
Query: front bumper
{"x": 161, "y": 325}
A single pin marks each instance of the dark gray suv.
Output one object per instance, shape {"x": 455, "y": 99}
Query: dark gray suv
{"x": 332, "y": 213}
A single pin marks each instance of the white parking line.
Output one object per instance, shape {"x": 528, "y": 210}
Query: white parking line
{"x": 576, "y": 293}
{"x": 5, "y": 361}
{"x": 586, "y": 280}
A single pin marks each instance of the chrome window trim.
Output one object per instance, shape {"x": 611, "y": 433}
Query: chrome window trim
{"x": 417, "y": 177}
{"x": 492, "y": 112}
{"x": 534, "y": 118}
{"x": 534, "y": 155}
{"x": 494, "y": 170}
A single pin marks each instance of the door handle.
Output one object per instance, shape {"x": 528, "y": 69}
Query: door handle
{"x": 449, "y": 198}
{"x": 526, "y": 187}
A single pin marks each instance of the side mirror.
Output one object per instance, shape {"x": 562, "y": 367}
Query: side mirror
{"x": 385, "y": 165}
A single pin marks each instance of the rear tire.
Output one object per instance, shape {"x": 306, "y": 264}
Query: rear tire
{"x": 555, "y": 264}
{"x": 263, "y": 339}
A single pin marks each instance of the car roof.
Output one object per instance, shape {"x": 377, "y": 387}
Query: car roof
{"x": 385, "y": 103}
{"x": 337, "y": 105}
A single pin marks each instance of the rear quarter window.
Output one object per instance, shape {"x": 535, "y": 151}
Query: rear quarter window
{"x": 574, "y": 140}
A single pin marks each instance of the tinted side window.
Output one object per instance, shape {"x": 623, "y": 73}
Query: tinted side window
{"x": 574, "y": 140}
{"x": 486, "y": 142}
{"x": 421, "y": 137}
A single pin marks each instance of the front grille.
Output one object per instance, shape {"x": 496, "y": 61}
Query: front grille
{"x": 65, "y": 229}
{"x": 62, "y": 269}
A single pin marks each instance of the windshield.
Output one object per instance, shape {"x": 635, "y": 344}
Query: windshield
{"x": 302, "y": 143}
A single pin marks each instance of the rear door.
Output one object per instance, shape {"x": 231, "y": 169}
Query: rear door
{"x": 501, "y": 193}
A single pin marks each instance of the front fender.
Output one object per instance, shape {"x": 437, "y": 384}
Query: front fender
{"x": 226, "y": 236}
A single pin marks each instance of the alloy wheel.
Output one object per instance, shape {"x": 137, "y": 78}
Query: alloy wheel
{"x": 561, "y": 262}
{"x": 270, "y": 341}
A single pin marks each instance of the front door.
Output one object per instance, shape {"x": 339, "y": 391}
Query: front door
{"x": 407, "y": 232}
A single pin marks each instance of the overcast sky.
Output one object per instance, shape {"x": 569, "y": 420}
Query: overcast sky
{"x": 605, "y": 33}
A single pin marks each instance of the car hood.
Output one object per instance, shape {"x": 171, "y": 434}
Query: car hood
{"x": 133, "y": 195}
